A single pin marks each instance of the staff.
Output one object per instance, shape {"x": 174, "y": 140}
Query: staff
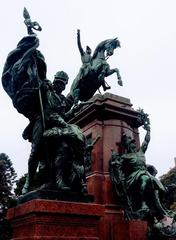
{"x": 34, "y": 25}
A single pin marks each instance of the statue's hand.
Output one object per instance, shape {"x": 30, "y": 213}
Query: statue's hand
{"x": 78, "y": 31}
{"x": 146, "y": 127}
{"x": 46, "y": 85}
{"x": 28, "y": 22}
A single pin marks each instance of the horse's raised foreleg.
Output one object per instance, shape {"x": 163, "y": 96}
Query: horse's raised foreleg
{"x": 115, "y": 70}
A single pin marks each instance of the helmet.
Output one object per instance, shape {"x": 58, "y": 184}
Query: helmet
{"x": 61, "y": 75}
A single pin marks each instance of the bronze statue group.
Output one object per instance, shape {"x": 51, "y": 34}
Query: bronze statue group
{"x": 58, "y": 148}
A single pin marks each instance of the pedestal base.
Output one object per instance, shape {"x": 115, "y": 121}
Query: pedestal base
{"x": 51, "y": 220}
{"x": 47, "y": 219}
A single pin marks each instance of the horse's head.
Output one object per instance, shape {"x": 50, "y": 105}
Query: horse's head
{"x": 107, "y": 45}
{"x": 111, "y": 45}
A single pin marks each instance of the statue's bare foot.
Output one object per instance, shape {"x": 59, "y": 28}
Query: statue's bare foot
{"x": 46, "y": 186}
{"x": 84, "y": 189}
{"x": 144, "y": 206}
{"x": 61, "y": 186}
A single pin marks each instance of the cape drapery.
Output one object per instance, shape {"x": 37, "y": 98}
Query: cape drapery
{"x": 23, "y": 73}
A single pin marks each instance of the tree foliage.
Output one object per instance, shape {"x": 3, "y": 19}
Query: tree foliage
{"x": 7, "y": 179}
{"x": 19, "y": 185}
{"x": 169, "y": 181}
{"x": 169, "y": 177}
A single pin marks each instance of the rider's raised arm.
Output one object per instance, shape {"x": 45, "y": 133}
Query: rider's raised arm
{"x": 146, "y": 139}
{"x": 79, "y": 43}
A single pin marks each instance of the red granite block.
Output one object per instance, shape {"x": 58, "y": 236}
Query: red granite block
{"x": 47, "y": 219}
{"x": 109, "y": 117}
{"x": 130, "y": 230}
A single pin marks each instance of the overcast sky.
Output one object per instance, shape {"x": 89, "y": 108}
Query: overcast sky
{"x": 146, "y": 60}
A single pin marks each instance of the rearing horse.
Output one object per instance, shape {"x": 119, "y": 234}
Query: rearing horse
{"x": 88, "y": 82}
